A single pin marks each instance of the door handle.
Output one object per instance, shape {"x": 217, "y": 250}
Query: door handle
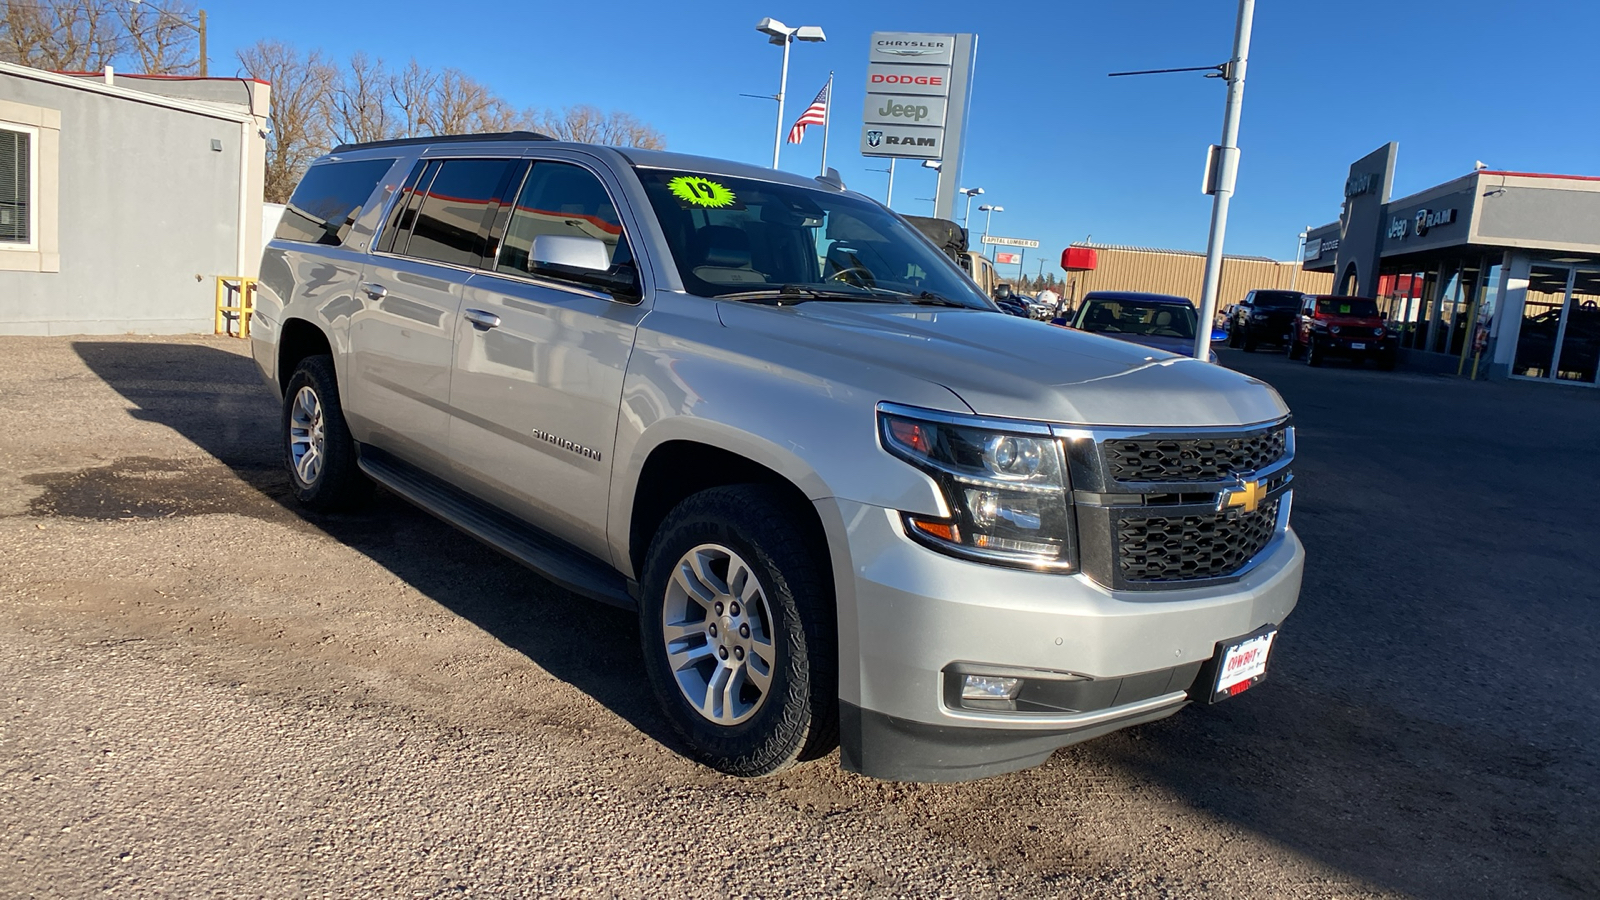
{"x": 374, "y": 290}
{"x": 482, "y": 319}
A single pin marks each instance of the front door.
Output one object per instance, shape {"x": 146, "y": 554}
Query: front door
{"x": 539, "y": 362}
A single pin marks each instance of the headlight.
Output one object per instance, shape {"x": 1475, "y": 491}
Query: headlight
{"x": 1319, "y": 326}
{"x": 1006, "y": 490}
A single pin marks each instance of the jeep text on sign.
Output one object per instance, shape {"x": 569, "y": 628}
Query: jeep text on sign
{"x": 892, "y": 109}
{"x": 923, "y": 81}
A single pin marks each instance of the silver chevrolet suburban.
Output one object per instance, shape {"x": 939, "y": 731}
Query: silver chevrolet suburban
{"x": 852, "y": 503}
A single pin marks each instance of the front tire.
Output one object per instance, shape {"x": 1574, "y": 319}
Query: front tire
{"x": 318, "y": 450}
{"x": 1314, "y": 353}
{"x": 1295, "y": 351}
{"x": 737, "y": 622}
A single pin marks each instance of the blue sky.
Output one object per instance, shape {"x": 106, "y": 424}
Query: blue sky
{"x": 1067, "y": 151}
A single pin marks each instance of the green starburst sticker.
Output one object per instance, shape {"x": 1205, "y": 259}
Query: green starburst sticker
{"x": 700, "y": 191}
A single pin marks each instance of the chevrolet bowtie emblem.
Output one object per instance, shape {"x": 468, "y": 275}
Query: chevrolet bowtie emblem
{"x": 1248, "y": 495}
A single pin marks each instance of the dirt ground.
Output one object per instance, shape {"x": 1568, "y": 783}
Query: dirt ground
{"x": 204, "y": 692}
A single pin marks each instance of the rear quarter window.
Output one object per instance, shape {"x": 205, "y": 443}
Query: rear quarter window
{"x": 329, "y": 199}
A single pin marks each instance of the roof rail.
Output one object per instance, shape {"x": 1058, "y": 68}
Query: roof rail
{"x": 446, "y": 139}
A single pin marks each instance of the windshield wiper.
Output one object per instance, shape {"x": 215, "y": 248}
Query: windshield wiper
{"x": 799, "y": 293}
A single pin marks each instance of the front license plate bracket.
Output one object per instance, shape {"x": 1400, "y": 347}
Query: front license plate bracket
{"x": 1237, "y": 665}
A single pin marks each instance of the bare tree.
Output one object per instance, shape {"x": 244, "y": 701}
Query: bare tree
{"x": 88, "y": 35}
{"x": 302, "y": 88}
{"x": 461, "y": 105}
{"x": 589, "y": 125}
{"x": 161, "y": 40}
{"x": 411, "y": 93}
{"x": 360, "y": 105}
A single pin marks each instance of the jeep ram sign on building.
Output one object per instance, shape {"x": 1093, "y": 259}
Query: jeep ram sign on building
{"x": 916, "y": 107}
{"x": 1495, "y": 271}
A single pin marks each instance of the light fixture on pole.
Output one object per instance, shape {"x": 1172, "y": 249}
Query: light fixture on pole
{"x": 935, "y": 165}
{"x": 990, "y": 210}
{"x": 970, "y": 192}
{"x": 200, "y": 29}
{"x": 782, "y": 35}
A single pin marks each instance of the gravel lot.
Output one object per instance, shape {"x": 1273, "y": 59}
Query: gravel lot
{"x": 206, "y": 692}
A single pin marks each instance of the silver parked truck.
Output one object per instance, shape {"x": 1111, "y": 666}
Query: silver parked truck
{"x": 853, "y": 504}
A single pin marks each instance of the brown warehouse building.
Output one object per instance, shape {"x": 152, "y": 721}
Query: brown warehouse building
{"x": 1181, "y": 273}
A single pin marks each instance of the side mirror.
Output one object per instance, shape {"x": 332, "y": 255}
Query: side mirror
{"x": 1217, "y": 334}
{"x": 569, "y": 251}
{"x": 582, "y": 260}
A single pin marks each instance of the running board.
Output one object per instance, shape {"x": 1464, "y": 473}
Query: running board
{"x": 556, "y": 560}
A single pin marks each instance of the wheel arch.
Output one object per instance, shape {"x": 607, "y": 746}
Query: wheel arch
{"x": 678, "y": 468}
{"x": 298, "y": 339}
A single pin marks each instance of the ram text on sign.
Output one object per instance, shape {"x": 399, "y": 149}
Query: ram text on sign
{"x": 908, "y": 141}
{"x": 892, "y": 109}
{"x": 923, "y": 81}
{"x": 1009, "y": 242}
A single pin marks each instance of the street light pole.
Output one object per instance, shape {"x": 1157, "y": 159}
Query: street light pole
{"x": 779, "y": 33}
{"x": 1299, "y": 258}
{"x": 990, "y": 209}
{"x": 970, "y": 192}
{"x": 1227, "y": 170}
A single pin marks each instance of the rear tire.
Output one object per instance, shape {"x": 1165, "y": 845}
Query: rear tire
{"x": 1249, "y": 342}
{"x": 317, "y": 448}
{"x": 738, "y": 626}
{"x": 1295, "y": 351}
{"x": 1313, "y": 353}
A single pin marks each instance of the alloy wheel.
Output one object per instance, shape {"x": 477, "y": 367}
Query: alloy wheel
{"x": 307, "y": 438}
{"x": 717, "y": 627}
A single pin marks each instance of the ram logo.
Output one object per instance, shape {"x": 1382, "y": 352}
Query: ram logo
{"x": 874, "y": 138}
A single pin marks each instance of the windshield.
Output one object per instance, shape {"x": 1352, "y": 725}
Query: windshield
{"x": 1278, "y": 299}
{"x": 1348, "y": 306}
{"x": 740, "y": 236}
{"x": 1142, "y": 317}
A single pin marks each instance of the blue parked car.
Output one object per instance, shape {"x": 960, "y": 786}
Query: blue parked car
{"x": 1162, "y": 321}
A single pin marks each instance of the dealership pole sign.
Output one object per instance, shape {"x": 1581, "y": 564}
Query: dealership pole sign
{"x": 916, "y": 108}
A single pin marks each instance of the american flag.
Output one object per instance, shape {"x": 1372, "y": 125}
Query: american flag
{"x": 815, "y": 114}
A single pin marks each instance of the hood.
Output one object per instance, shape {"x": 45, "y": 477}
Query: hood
{"x": 1352, "y": 321}
{"x": 1179, "y": 346}
{"x": 1001, "y": 365}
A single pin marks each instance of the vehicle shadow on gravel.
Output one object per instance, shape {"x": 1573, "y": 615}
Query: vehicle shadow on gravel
{"x": 216, "y": 400}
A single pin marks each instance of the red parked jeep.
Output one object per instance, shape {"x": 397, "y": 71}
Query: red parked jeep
{"x": 1351, "y": 327}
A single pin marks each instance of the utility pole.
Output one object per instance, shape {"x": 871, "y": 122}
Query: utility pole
{"x": 888, "y": 199}
{"x": 1227, "y": 168}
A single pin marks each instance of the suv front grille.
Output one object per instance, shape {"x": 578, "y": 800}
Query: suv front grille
{"x": 1193, "y": 459}
{"x": 1171, "y": 548}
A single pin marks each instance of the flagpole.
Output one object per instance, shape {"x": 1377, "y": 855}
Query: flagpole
{"x": 827, "y": 119}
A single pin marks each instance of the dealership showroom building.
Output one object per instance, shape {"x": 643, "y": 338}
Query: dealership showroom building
{"x": 1493, "y": 273}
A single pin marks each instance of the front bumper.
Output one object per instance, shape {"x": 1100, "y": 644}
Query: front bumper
{"x": 908, "y": 614}
{"x": 1345, "y": 345}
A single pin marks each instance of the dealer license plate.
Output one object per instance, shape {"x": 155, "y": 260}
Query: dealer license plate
{"x": 1242, "y": 664}
{"x": 1358, "y": 346}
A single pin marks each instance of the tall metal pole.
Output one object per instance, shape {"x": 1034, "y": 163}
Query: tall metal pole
{"x": 968, "y": 214}
{"x": 827, "y": 118}
{"x": 1299, "y": 259}
{"x": 783, "y": 83}
{"x": 888, "y": 198}
{"x": 1227, "y": 170}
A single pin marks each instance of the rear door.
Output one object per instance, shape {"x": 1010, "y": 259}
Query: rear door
{"x": 540, "y": 356}
{"x": 411, "y": 292}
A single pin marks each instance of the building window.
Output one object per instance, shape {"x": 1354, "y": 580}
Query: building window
{"x": 19, "y": 179}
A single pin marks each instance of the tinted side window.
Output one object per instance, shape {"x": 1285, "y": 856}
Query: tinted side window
{"x": 561, "y": 199}
{"x": 450, "y": 225}
{"x": 329, "y": 199}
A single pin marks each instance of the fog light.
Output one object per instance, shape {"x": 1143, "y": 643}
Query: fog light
{"x": 989, "y": 687}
